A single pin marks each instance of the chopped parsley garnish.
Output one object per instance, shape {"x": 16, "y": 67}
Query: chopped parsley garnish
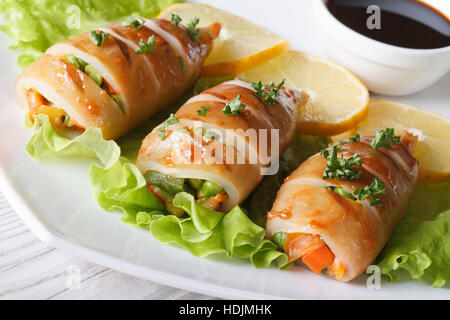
{"x": 203, "y": 110}
{"x": 344, "y": 168}
{"x": 355, "y": 138}
{"x": 193, "y": 30}
{"x": 146, "y": 47}
{"x": 135, "y": 22}
{"x": 234, "y": 107}
{"x": 162, "y": 128}
{"x": 175, "y": 19}
{"x": 371, "y": 191}
{"x": 268, "y": 96}
{"x": 384, "y": 139}
{"x": 341, "y": 168}
{"x": 98, "y": 38}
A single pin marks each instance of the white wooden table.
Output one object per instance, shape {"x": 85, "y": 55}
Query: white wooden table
{"x": 29, "y": 269}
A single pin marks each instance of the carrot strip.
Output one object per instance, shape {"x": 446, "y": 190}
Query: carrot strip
{"x": 319, "y": 259}
{"x": 289, "y": 238}
{"x": 299, "y": 244}
{"x": 35, "y": 101}
{"x": 217, "y": 200}
{"x": 337, "y": 270}
{"x": 110, "y": 89}
{"x": 312, "y": 250}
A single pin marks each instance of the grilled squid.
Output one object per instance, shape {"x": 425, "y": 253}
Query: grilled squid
{"x": 214, "y": 152}
{"x": 115, "y": 77}
{"x": 342, "y": 224}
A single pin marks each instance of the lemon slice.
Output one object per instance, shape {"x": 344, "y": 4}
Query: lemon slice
{"x": 241, "y": 45}
{"x": 337, "y": 99}
{"x": 433, "y": 130}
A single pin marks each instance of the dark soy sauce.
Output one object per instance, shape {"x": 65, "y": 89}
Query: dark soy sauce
{"x": 404, "y": 23}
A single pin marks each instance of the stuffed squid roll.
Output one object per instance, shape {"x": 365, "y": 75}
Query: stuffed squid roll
{"x": 219, "y": 144}
{"x": 115, "y": 77}
{"x": 339, "y": 208}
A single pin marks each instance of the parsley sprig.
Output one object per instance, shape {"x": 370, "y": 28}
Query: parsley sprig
{"x": 344, "y": 168}
{"x": 203, "y": 110}
{"x": 234, "y": 107}
{"x": 98, "y": 38}
{"x": 355, "y": 138}
{"x": 371, "y": 191}
{"x": 162, "y": 128}
{"x": 137, "y": 23}
{"x": 384, "y": 138}
{"x": 146, "y": 46}
{"x": 341, "y": 168}
{"x": 193, "y": 30}
{"x": 175, "y": 19}
{"x": 268, "y": 96}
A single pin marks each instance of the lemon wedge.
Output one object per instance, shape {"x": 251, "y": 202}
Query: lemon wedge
{"x": 241, "y": 45}
{"x": 337, "y": 98}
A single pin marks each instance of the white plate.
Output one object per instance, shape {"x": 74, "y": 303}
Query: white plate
{"x": 55, "y": 201}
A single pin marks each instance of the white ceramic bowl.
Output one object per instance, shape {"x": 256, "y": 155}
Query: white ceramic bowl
{"x": 384, "y": 68}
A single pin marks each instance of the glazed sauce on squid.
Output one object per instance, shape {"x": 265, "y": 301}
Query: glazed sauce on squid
{"x": 283, "y": 214}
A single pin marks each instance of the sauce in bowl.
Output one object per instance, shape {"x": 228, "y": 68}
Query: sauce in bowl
{"x": 403, "y": 23}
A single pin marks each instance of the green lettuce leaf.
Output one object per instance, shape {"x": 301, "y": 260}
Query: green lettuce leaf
{"x": 122, "y": 187}
{"x": 46, "y": 142}
{"x": 35, "y": 25}
{"x": 204, "y": 232}
{"x": 421, "y": 242}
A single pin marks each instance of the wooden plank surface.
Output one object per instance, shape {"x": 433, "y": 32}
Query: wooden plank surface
{"x": 29, "y": 269}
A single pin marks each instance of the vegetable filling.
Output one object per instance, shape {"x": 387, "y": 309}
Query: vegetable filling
{"x": 165, "y": 187}
{"x": 341, "y": 192}
{"x": 311, "y": 249}
{"x": 92, "y": 73}
{"x": 59, "y": 119}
